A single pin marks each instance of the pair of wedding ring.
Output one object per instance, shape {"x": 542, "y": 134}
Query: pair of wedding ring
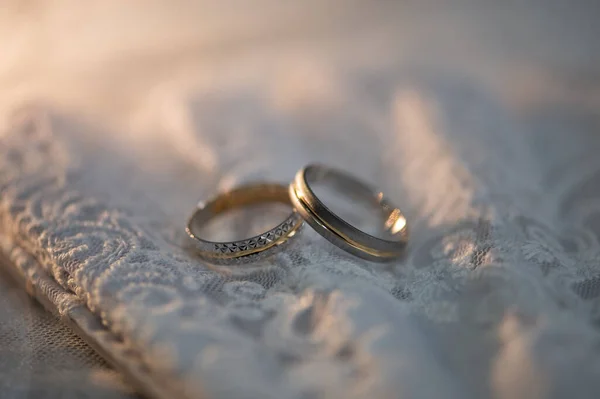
{"x": 306, "y": 206}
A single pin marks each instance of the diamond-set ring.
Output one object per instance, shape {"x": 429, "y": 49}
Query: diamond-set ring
{"x": 246, "y": 249}
{"x": 305, "y": 206}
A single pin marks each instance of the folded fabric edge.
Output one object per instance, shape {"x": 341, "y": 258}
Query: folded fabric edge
{"x": 74, "y": 313}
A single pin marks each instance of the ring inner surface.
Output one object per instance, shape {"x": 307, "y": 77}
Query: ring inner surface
{"x": 356, "y": 203}
{"x": 241, "y": 213}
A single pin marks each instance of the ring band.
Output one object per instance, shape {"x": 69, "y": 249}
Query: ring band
{"x": 338, "y": 231}
{"x": 246, "y": 249}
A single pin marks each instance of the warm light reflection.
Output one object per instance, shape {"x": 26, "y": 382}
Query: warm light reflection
{"x": 396, "y": 222}
{"x": 398, "y": 225}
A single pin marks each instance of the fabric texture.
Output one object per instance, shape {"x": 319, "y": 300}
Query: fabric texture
{"x": 42, "y": 357}
{"x": 498, "y": 294}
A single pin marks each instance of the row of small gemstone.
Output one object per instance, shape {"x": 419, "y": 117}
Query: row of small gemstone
{"x": 257, "y": 242}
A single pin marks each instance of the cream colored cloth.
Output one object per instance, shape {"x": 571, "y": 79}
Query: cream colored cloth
{"x": 42, "y": 357}
{"x": 479, "y": 119}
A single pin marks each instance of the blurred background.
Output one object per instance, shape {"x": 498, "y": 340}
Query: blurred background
{"x": 111, "y": 58}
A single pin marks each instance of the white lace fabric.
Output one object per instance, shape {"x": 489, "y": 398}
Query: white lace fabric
{"x": 42, "y": 357}
{"x": 497, "y": 296}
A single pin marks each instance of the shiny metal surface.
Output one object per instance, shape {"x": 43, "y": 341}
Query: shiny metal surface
{"x": 337, "y": 230}
{"x": 245, "y": 250}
